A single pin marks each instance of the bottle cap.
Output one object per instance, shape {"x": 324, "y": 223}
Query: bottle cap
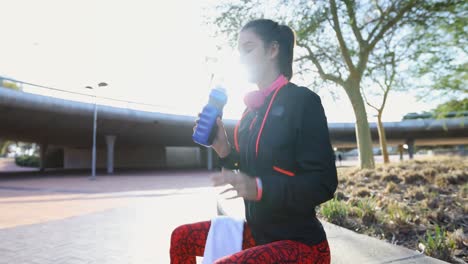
{"x": 220, "y": 88}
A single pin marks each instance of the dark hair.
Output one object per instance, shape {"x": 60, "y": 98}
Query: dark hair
{"x": 270, "y": 31}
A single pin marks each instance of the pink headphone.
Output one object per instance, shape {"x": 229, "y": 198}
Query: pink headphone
{"x": 255, "y": 99}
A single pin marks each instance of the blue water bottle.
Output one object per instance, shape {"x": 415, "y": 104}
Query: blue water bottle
{"x": 207, "y": 127}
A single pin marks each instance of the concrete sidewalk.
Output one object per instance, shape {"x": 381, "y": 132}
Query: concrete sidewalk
{"x": 129, "y": 219}
{"x": 8, "y": 164}
{"x": 347, "y": 245}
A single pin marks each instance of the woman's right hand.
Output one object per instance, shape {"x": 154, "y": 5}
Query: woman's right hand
{"x": 220, "y": 143}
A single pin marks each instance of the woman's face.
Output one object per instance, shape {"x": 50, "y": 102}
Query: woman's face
{"x": 253, "y": 55}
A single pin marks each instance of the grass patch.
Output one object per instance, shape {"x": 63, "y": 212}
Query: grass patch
{"x": 398, "y": 213}
{"x": 414, "y": 179}
{"x": 335, "y": 211}
{"x": 363, "y": 192}
{"x": 366, "y": 211}
{"x": 391, "y": 178}
{"x": 438, "y": 244}
{"x": 391, "y": 187}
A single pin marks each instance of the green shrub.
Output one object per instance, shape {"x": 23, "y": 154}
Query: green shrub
{"x": 438, "y": 245}
{"x": 27, "y": 161}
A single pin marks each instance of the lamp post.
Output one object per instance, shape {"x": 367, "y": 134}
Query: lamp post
{"x": 93, "y": 166}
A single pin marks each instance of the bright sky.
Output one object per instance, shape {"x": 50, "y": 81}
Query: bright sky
{"x": 147, "y": 51}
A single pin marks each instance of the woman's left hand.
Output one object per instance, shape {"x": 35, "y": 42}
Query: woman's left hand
{"x": 245, "y": 185}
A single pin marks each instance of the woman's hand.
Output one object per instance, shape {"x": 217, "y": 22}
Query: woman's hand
{"x": 245, "y": 185}
{"x": 220, "y": 143}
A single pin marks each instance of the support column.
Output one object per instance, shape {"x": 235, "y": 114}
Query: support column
{"x": 210, "y": 159}
{"x": 410, "y": 143}
{"x": 42, "y": 156}
{"x": 110, "y": 142}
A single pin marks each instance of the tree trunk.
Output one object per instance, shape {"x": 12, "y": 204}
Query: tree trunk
{"x": 382, "y": 138}
{"x": 363, "y": 135}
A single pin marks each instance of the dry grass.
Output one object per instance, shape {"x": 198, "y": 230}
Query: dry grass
{"x": 404, "y": 203}
{"x": 391, "y": 187}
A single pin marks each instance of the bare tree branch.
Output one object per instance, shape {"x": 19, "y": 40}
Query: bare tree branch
{"x": 384, "y": 102}
{"x": 368, "y": 102}
{"x": 382, "y": 87}
{"x": 336, "y": 61}
{"x": 378, "y": 7}
{"x": 364, "y": 56}
{"x": 382, "y": 15}
{"x": 367, "y": 23}
{"x": 350, "y": 5}
{"x": 315, "y": 61}
{"x": 391, "y": 23}
{"x": 389, "y": 81}
{"x": 389, "y": 68}
{"x": 341, "y": 41}
{"x": 302, "y": 58}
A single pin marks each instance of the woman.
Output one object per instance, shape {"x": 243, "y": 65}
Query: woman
{"x": 281, "y": 163}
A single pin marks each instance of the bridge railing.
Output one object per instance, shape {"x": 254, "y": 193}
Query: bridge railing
{"x": 86, "y": 97}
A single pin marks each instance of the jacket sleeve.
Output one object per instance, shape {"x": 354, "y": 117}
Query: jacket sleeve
{"x": 315, "y": 180}
{"x": 231, "y": 161}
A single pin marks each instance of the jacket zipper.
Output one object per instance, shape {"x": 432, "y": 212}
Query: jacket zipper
{"x": 251, "y": 138}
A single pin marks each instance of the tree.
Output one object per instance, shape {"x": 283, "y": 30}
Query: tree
{"x": 440, "y": 42}
{"x": 386, "y": 72}
{"x": 7, "y": 83}
{"x": 3, "y": 146}
{"x": 452, "y": 108}
{"x": 383, "y": 73}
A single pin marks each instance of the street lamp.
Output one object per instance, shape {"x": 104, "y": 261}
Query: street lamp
{"x": 93, "y": 167}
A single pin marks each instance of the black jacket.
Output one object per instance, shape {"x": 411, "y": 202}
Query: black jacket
{"x": 295, "y": 161}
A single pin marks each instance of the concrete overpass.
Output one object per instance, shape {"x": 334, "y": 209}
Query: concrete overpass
{"x": 154, "y": 139}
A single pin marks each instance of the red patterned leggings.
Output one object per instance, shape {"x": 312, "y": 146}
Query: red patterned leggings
{"x": 188, "y": 241}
